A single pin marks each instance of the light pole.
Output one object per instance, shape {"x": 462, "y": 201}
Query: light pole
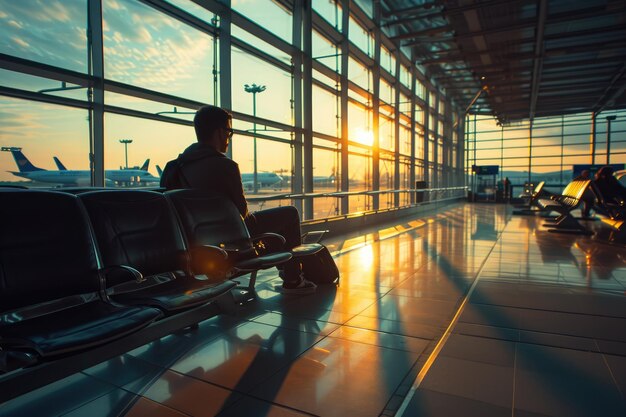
{"x": 126, "y": 142}
{"x": 254, "y": 89}
{"x": 609, "y": 119}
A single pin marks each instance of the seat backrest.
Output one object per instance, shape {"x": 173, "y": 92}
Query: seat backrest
{"x": 209, "y": 218}
{"x": 573, "y": 193}
{"x": 138, "y": 229}
{"x": 47, "y": 248}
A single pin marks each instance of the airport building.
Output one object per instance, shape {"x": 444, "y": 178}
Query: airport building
{"x": 437, "y": 144}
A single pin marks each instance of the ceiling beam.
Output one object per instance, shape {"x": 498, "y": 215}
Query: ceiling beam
{"x": 569, "y": 16}
{"x": 599, "y": 104}
{"x": 426, "y": 32}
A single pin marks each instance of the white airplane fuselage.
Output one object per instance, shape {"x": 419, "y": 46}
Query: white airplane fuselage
{"x": 83, "y": 177}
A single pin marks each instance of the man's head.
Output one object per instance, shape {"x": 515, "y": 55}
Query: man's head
{"x": 213, "y": 126}
{"x": 585, "y": 173}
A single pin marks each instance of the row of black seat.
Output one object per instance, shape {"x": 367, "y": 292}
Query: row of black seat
{"x": 77, "y": 271}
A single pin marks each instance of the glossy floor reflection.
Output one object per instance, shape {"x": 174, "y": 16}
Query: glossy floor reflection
{"x": 543, "y": 333}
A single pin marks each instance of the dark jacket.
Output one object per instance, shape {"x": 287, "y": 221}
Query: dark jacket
{"x": 200, "y": 166}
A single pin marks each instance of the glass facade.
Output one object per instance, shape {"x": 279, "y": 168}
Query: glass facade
{"x": 107, "y": 84}
{"x": 547, "y": 149}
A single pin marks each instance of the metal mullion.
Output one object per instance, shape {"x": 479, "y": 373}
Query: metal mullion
{"x": 396, "y": 177}
{"x": 413, "y": 136}
{"x": 326, "y": 29}
{"x": 182, "y": 16}
{"x": 261, "y": 33}
{"x": 254, "y": 51}
{"x": 96, "y": 56}
{"x": 37, "y": 69}
{"x": 146, "y": 94}
{"x": 345, "y": 51}
{"x": 376, "y": 74}
{"x": 145, "y": 115}
{"x": 266, "y": 122}
{"x": 323, "y": 86}
{"x": 43, "y": 98}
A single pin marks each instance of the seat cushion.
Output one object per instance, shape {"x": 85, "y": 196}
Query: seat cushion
{"x": 176, "y": 294}
{"x": 76, "y": 328}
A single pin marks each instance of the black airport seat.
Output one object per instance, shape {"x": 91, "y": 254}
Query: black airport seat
{"x": 141, "y": 244}
{"x": 51, "y": 298}
{"x": 211, "y": 219}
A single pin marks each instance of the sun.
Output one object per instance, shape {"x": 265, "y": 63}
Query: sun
{"x": 366, "y": 137}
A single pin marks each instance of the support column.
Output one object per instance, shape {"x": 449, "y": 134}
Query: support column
{"x": 593, "y": 138}
{"x": 375, "y": 162}
{"x": 96, "y": 56}
{"x": 225, "y": 63}
{"x": 426, "y": 135}
{"x": 435, "y": 129}
{"x": 413, "y": 136}
{"x": 345, "y": 50}
{"x": 396, "y": 130}
{"x": 302, "y": 86}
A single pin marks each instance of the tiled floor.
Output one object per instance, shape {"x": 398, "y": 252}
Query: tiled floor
{"x": 531, "y": 324}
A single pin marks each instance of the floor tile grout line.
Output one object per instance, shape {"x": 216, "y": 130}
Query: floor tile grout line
{"x": 551, "y": 311}
{"x": 606, "y": 363}
{"x": 446, "y": 335}
{"x": 514, "y": 379}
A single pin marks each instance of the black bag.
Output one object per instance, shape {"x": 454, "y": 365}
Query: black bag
{"x": 320, "y": 267}
{"x": 172, "y": 177}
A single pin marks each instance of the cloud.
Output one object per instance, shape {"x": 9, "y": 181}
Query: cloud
{"x": 20, "y": 42}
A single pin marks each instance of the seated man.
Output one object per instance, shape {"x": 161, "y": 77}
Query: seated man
{"x": 612, "y": 191}
{"x": 205, "y": 166}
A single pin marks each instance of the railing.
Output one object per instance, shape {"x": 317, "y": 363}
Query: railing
{"x": 421, "y": 197}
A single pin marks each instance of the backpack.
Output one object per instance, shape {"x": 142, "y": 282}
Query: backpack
{"x": 172, "y": 177}
{"x": 320, "y": 267}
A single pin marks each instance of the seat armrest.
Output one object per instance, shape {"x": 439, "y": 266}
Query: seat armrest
{"x": 209, "y": 260}
{"x": 121, "y": 273}
{"x": 268, "y": 242}
{"x": 314, "y": 236}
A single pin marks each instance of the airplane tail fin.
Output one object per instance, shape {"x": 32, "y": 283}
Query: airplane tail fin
{"x": 23, "y": 164}
{"x": 159, "y": 170}
{"x": 60, "y": 165}
{"x": 145, "y": 165}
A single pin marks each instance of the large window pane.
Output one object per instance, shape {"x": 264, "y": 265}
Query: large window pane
{"x": 359, "y": 75}
{"x": 53, "y": 32}
{"x": 330, "y": 10}
{"x": 146, "y": 48}
{"x": 325, "y": 112}
{"x": 43, "y": 131}
{"x": 275, "y": 102}
{"x": 157, "y": 141}
{"x": 268, "y": 14}
{"x": 361, "y": 37}
{"x": 274, "y": 164}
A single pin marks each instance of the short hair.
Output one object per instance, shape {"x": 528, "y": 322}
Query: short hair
{"x": 208, "y": 119}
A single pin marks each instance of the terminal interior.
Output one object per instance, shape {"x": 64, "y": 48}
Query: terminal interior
{"x": 391, "y": 126}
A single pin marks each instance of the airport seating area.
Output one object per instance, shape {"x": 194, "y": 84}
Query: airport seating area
{"x": 111, "y": 263}
{"x": 563, "y": 204}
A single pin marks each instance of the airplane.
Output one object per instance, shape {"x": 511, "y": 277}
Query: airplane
{"x": 67, "y": 177}
{"x": 144, "y": 167}
{"x": 264, "y": 179}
